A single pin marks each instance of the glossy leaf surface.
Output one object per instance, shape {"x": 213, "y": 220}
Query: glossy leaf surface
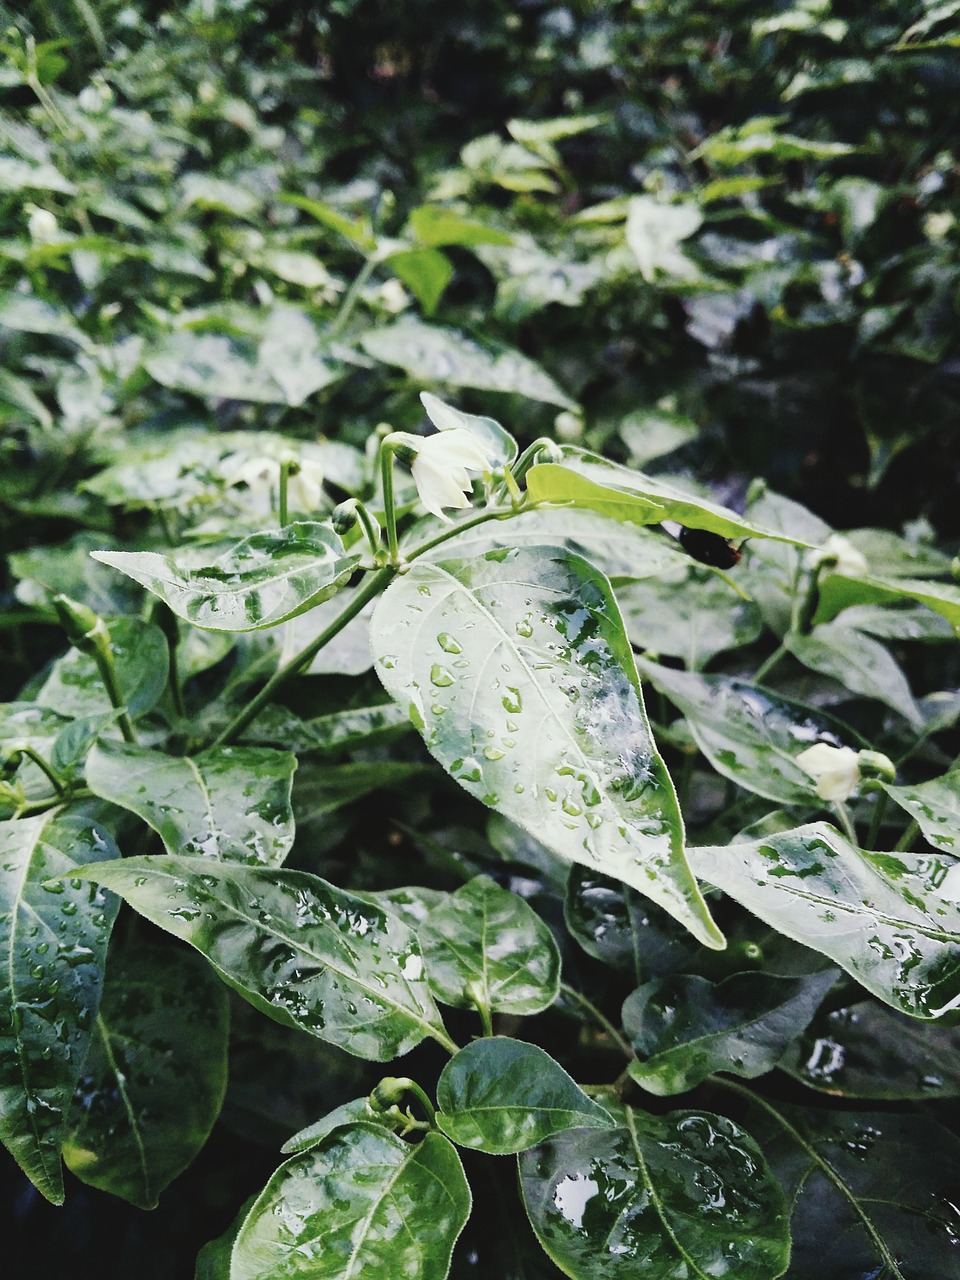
{"x": 685, "y": 1028}
{"x": 155, "y": 1077}
{"x": 228, "y": 802}
{"x": 259, "y": 581}
{"x": 837, "y": 592}
{"x": 300, "y": 950}
{"x": 692, "y": 616}
{"x": 363, "y": 1203}
{"x": 863, "y": 664}
{"x": 502, "y": 1096}
{"x": 748, "y": 734}
{"x": 668, "y": 1197}
{"x": 347, "y": 1114}
{"x": 74, "y": 686}
{"x": 873, "y": 1194}
{"x": 53, "y": 939}
{"x": 866, "y": 1050}
{"x": 332, "y": 734}
{"x": 880, "y": 916}
{"x": 515, "y": 670}
{"x": 935, "y": 806}
{"x": 489, "y": 940}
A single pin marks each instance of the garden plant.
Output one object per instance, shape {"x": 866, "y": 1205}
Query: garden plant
{"x": 479, "y": 765}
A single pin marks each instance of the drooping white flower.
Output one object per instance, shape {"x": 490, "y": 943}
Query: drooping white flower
{"x": 441, "y": 466}
{"x": 836, "y": 770}
{"x": 261, "y": 475}
{"x": 41, "y": 224}
{"x": 841, "y": 556}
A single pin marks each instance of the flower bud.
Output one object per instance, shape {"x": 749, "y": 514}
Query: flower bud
{"x": 836, "y": 770}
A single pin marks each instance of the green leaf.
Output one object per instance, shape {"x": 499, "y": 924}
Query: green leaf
{"x": 357, "y": 231}
{"x": 54, "y": 944}
{"x": 692, "y": 615}
{"x": 685, "y": 1196}
{"x": 685, "y": 1028}
{"x": 155, "y": 1077}
{"x": 300, "y": 950}
{"x": 425, "y": 272}
{"x": 935, "y": 807}
{"x": 18, "y": 175}
{"x": 866, "y": 1050}
{"x": 141, "y": 660}
{"x": 761, "y": 136}
{"x": 330, "y": 735}
{"x": 485, "y": 947}
{"x": 363, "y": 1203}
{"x": 838, "y": 592}
{"x": 26, "y": 314}
{"x": 434, "y": 226}
{"x": 615, "y": 924}
{"x": 502, "y": 1096}
{"x": 880, "y": 916}
{"x": 515, "y": 670}
{"x": 861, "y": 663}
{"x": 872, "y": 1194}
{"x": 323, "y": 788}
{"x": 259, "y": 581}
{"x": 228, "y": 802}
{"x": 432, "y": 354}
{"x": 748, "y": 734}
{"x": 633, "y": 495}
{"x": 216, "y": 367}
{"x": 359, "y": 1109}
{"x": 66, "y": 567}
{"x": 655, "y": 230}
{"x": 499, "y": 445}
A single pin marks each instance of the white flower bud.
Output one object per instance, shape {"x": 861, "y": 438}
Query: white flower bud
{"x": 440, "y": 468}
{"x": 836, "y": 770}
{"x": 42, "y": 225}
{"x": 839, "y": 555}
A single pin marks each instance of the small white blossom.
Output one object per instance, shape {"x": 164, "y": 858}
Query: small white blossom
{"x": 836, "y": 770}
{"x": 440, "y": 469}
{"x": 262, "y": 477}
{"x": 41, "y": 224}
{"x": 841, "y": 556}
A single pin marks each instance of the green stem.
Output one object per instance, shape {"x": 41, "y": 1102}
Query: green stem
{"x": 284, "y": 488}
{"x": 491, "y": 513}
{"x": 599, "y": 1018}
{"x": 767, "y": 666}
{"x": 823, "y": 1165}
{"x": 350, "y": 298}
{"x": 389, "y": 504}
{"x": 908, "y": 837}
{"x": 876, "y": 819}
{"x": 479, "y": 998}
{"x": 374, "y": 584}
{"x": 846, "y": 822}
{"x": 52, "y": 776}
{"x": 370, "y": 528}
{"x": 531, "y": 455}
{"x": 103, "y": 657}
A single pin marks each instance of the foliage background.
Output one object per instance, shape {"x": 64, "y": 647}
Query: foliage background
{"x": 808, "y": 336}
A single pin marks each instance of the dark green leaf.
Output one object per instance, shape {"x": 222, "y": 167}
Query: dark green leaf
{"x": 685, "y": 1028}
{"x": 489, "y": 940}
{"x": 935, "y": 807}
{"x": 155, "y": 1077}
{"x": 881, "y": 916}
{"x": 502, "y": 1096}
{"x": 676, "y": 1197}
{"x": 858, "y": 661}
{"x": 298, "y": 949}
{"x": 359, "y": 1109}
{"x": 74, "y": 686}
{"x": 515, "y": 669}
{"x": 228, "y": 802}
{"x": 54, "y": 942}
{"x": 329, "y": 735}
{"x": 692, "y": 615}
{"x": 258, "y": 582}
{"x": 363, "y": 1203}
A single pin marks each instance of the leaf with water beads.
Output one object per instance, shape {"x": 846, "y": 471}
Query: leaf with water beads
{"x": 685, "y": 1196}
{"x": 228, "y": 802}
{"x": 300, "y": 950}
{"x": 515, "y": 669}
{"x": 53, "y": 939}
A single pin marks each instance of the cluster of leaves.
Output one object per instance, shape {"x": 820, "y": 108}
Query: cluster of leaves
{"x": 235, "y": 246}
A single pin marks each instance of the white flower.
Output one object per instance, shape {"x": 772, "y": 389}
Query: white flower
{"x": 839, "y": 555}
{"x": 440, "y": 469}
{"x": 262, "y": 477}
{"x": 41, "y": 224}
{"x": 835, "y": 769}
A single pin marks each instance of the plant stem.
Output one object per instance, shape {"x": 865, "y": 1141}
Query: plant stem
{"x": 823, "y": 1165}
{"x": 52, "y": 776}
{"x": 491, "y": 513}
{"x": 374, "y": 584}
{"x": 599, "y": 1018}
{"x": 350, "y": 298}
{"x": 389, "y": 504}
{"x": 876, "y": 819}
{"x": 283, "y": 495}
{"x": 369, "y": 526}
{"x": 908, "y": 837}
{"x": 843, "y": 814}
{"x": 767, "y": 666}
{"x": 531, "y": 455}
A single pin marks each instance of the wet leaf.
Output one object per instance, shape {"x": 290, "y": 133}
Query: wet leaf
{"x": 303, "y": 952}
{"x": 668, "y": 1197}
{"x": 329, "y": 735}
{"x": 349, "y": 1113}
{"x": 858, "y": 661}
{"x": 516, "y": 671}
{"x": 586, "y": 479}
{"x": 748, "y": 734}
{"x": 685, "y": 1028}
{"x": 364, "y": 1202}
{"x": 935, "y": 807}
{"x": 869, "y": 1051}
{"x": 691, "y": 615}
{"x": 228, "y": 802}
{"x": 880, "y": 916}
{"x": 54, "y": 944}
{"x": 880, "y": 1189}
{"x": 155, "y": 1077}
{"x": 259, "y": 581}
{"x": 502, "y": 1096}
{"x": 323, "y": 788}
{"x": 489, "y": 940}
{"x": 141, "y": 659}
{"x": 430, "y": 353}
